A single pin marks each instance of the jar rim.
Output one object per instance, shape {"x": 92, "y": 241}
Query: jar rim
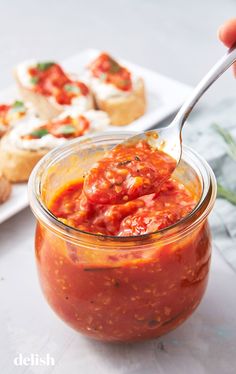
{"x": 41, "y": 212}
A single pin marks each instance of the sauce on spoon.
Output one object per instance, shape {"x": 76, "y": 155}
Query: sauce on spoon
{"x": 127, "y": 172}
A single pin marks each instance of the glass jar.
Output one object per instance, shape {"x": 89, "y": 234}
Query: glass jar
{"x": 120, "y": 288}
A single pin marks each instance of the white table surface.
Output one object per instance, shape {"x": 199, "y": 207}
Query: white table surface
{"x": 206, "y": 343}
{"x": 178, "y": 39}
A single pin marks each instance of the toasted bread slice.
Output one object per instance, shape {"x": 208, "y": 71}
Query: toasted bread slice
{"x": 117, "y": 90}
{"x": 46, "y": 106}
{"x": 124, "y": 109}
{"x": 5, "y": 188}
{"x": 22, "y": 147}
{"x": 14, "y": 114}
{"x": 16, "y": 163}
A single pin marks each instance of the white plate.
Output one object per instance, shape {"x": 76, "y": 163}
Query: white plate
{"x": 164, "y": 97}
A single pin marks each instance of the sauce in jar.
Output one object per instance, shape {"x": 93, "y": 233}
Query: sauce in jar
{"x": 141, "y": 216}
{"x": 124, "y": 270}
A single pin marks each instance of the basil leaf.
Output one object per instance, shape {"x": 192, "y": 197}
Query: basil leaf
{"x": 72, "y": 88}
{"x": 114, "y": 66}
{"x": 34, "y": 80}
{"x": 123, "y": 83}
{"x": 39, "y": 133}
{"x": 66, "y": 130}
{"x": 42, "y": 66}
{"x": 103, "y": 77}
{"x": 18, "y": 106}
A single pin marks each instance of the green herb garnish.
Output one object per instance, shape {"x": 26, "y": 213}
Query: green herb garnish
{"x": 123, "y": 163}
{"x": 101, "y": 268}
{"x": 72, "y": 88}
{"x": 34, "y": 80}
{"x": 114, "y": 66}
{"x": 42, "y": 66}
{"x": 123, "y": 82}
{"x": 39, "y": 133}
{"x": 18, "y": 106}
{"x": 226, "y": 194}
{"x": 229, "y": 140}
{"x": 66, "y": 130}
{"x": 103, "y": 77}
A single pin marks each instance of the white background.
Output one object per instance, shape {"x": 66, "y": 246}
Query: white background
{"x": 176, "y": 38}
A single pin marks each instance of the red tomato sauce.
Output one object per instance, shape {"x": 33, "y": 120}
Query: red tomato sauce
{"x": 68, "y": 127}
{"x": 124, "y": 296}
{"x": 126, "y": 193}
{"x": 109, "y": 71}
{"x": 140, "y": 216}
{"x": 114, "y": 294}
{"x": 128, "y": 172}
{"x": 49, "y": 79}
{"x": 11, "y": 112}
{"x": 4, "y": 109}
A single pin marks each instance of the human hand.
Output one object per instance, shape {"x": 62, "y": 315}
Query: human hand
{"x": 227, "y": 34}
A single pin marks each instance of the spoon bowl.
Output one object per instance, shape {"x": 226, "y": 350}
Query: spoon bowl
{"x": 166, "y": 139}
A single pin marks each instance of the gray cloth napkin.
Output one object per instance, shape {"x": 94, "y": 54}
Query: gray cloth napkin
{"x": 200, "y": 135}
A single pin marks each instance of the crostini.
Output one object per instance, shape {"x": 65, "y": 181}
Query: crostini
{"x": 50, "y": 89}
{"x": 22, "y": 147}
{"x": 5, "y": 188}
{"x": 12, "y": 115}
{"x": 117, "y": 91}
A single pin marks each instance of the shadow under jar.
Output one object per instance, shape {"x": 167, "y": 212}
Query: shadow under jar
{"x": 120, "y": 288}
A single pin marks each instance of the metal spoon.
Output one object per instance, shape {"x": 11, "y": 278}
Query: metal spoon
{"x": 169, "y": 139}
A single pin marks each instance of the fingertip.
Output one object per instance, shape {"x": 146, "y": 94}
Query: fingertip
{"x": 227, "y": 32}
{"x": 234, "y": 70}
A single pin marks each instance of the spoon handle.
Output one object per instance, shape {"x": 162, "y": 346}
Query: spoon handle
{"x": 217, "y": 70}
